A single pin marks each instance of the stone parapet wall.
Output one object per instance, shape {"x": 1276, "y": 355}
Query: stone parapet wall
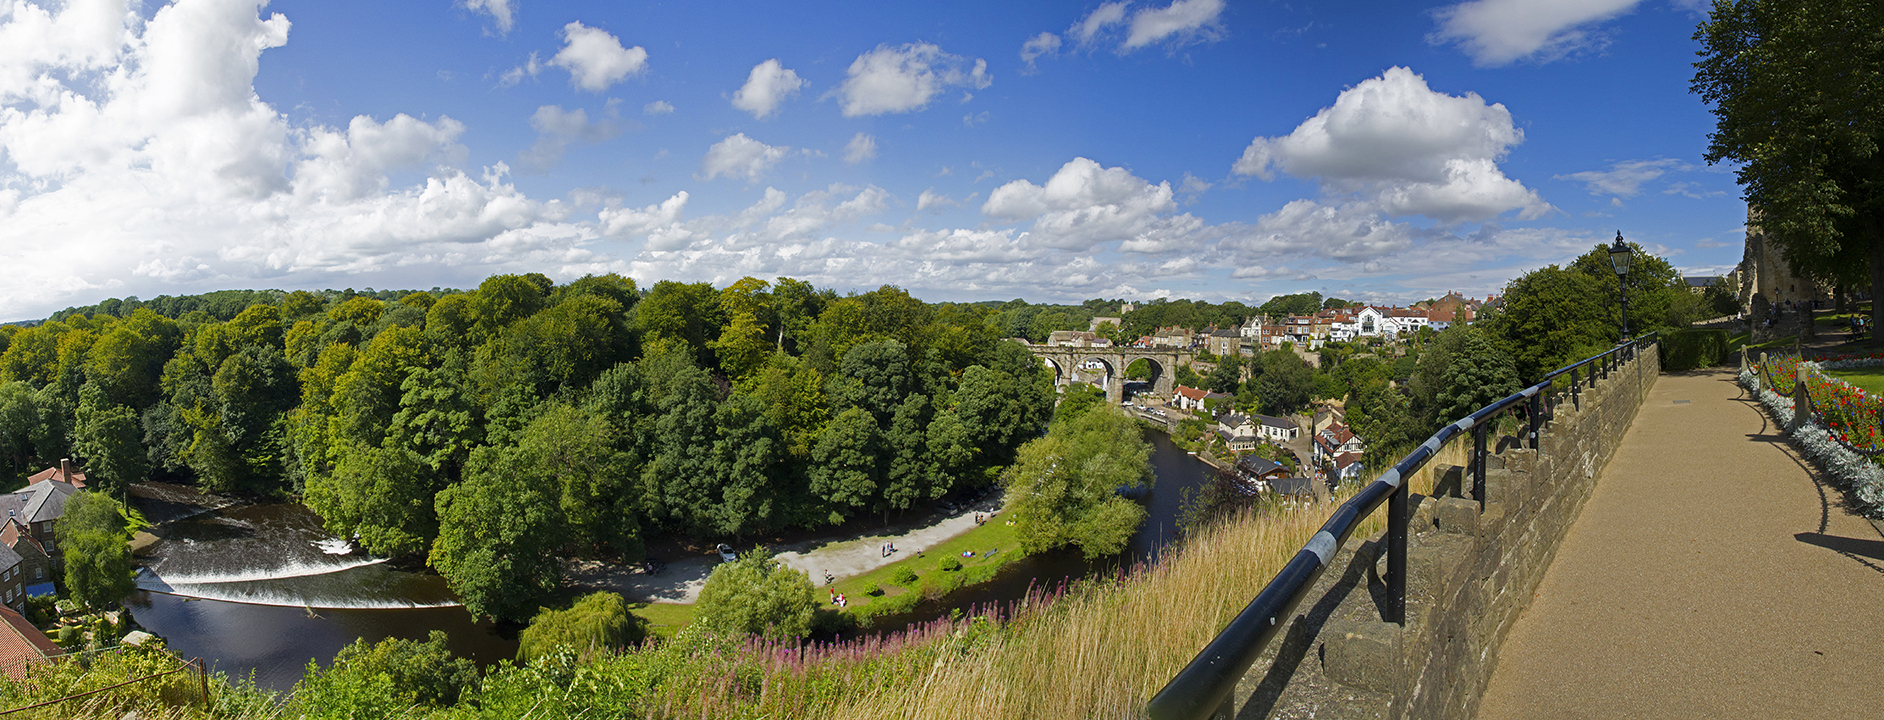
{"x": 1470, "y": 574}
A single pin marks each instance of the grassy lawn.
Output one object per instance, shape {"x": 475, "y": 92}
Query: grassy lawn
{"x": 1871, "y": 380}
{"x": 663, "y": 618}
{"x": 1737, "y": 341}
{"x": 993, "y": 535}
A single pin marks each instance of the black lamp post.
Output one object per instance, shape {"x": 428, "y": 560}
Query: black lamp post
{"x": 1619, "y": 256}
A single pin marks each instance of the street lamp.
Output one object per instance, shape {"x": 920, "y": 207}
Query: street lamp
{"x": 1619, "y": 256}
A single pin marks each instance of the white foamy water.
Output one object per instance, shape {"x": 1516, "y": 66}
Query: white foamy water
{"x": 255, "y": 596}
{"x": 290, "y": 570}
{"x": 334, "y": 546}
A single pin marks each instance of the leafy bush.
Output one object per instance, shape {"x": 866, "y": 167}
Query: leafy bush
{"x": 384, "y": 679}
{"x": 1689, "y": 349}
{"x": 904, "y": 576}
{"x": 598, "y": 622}
{"x": 949, "y": 564}
{"x": 756, "y": 594}
{"x": 874, "y": 590}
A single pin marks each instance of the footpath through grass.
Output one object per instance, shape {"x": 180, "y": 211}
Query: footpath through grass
{"x": 992, "y": 545}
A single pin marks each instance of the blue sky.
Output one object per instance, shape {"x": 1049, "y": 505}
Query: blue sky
{"x": 1212, "y": 149}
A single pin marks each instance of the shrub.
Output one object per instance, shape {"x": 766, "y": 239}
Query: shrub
{"x": 384, "y": 679}
{"x": 599, "y": 621}
{"x": 1690, "y": 349}
{"x": 756, "y": 594}
{"x": 949, "y": 564}
{"x": 874, "y": 590}
{"x": 904, "y": 576}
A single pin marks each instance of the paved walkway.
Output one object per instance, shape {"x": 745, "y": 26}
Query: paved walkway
{"x": 1709, "y": 576}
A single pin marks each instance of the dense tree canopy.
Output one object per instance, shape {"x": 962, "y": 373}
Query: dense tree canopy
{"x": 93, "y": 535}
{"x": 1063, "y": 490}
{"x": 1797, "y": 89}
{"x": 758, "y": 595}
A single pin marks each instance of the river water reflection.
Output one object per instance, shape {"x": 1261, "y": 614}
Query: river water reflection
{"x": 264, "y": 589}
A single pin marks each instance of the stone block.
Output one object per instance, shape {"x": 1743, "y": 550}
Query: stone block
{"x": 1422, "y": 520}
{"x": 1362, "y": 654}
{"x": 1505, "y": 486}
{"x": 1430, "y": 565}
{"x": 1458, "y": 516}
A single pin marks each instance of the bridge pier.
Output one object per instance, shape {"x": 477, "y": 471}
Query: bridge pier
{"x": 1067, "y": 361}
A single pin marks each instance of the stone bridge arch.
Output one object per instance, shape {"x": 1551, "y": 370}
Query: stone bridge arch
{"x": 1066, "y": 361}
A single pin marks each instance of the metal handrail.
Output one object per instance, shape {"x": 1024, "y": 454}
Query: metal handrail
{"x": 1205, "y": 686}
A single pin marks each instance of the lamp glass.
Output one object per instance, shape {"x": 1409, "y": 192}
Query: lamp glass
{"x": 1619, "y": 256}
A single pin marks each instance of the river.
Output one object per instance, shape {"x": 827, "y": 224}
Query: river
{"x": 263, "y": 588}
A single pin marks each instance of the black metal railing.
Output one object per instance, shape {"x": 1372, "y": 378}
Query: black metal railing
{"x": 1205, "y": 688}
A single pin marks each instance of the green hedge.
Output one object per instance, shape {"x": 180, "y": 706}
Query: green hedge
{"x": 1690, "y": 349}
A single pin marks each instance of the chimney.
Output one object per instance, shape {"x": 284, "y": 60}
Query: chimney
{"x": 65, "y": 469}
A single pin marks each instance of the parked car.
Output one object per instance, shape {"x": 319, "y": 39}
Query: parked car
{"x": 726, "y": 553}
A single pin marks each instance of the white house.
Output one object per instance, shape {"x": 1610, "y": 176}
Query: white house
{"x": 1336, "y": 440}
{"x": 1275, "y": 429}
{"x": 1238, "y": 431}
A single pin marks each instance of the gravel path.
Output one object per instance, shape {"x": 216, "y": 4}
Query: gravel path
{"x": 680, "y": 581}
{"x": 1708, "y": 576}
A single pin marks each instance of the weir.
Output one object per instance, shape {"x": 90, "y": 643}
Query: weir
{"x": 1380, "y": 628}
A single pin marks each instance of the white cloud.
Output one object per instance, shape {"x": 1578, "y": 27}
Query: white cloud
{"x": 499, "y": 10}
{"x": 1045, "y": 43}
{"x": 1084, "y": 204}
{"x": 557, "y": 129}
{"x": 642, "y": 221}
{"x": 595, "y": 59}
{"x": 173, "y": 176}
{"x": 1498, "y": 32}
{"x": 1192, "y": 188}
{"x": 973, "y": 119}
{"x": 1624, "y": 179}
{"x": 932, "y": 199}
{"x": 515, "y": 75}
{"x": 1096, "y": 22}
{"x": 904, "y": 79}
{"x": 860, "y": 148}
{"x": 1409, "y": 149}
{"x": 767, "y": 86}
{"x": 658, "y": 107}
{"x": 1183, "y": 20}
{"x": 741, "y": 156}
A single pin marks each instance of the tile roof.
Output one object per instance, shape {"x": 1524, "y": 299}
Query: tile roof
{"x": 1255, "y": 465}
{"x": 1273, "y": 421}
{"x": 76, "y": 478}
{"x": 22, "y": 644}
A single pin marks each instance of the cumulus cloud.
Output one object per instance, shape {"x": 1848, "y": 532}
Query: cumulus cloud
{"x": 175, "y": 177}
{"x": 1499, "y": 32}
{"x": 595, "y": 59}
{"x": 500, "y": 11}
{"x": 741, "y": 156}
{"x": 1045, "y": 43}
{"x": 1409, "y": 149}
{"x": 658, "y": 107}
{"x": 557, "y": 129}
{"x": 642, "y": 221}
{"x": 860, "y": 148}
{"x": 1625, "y": 178}
{"x": 767, "y": 86}
{"x": 1182, "y": 21}
{"x": 530, "y": 68}
{"x": 1084, "y": 204}
{"x": 904, "y": 79}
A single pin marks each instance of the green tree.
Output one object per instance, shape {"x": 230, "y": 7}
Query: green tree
{"x": 844, "y": 470}
{"x": 498, "y": 535}
{"x": 1794, "y": 86}
{"x": 1480, "y": 374}
{"x": 758, "y": 595}
{"x": 1286, "y": 382}
{"x": 1063, "y": 488}
{"x": 384, "y": 495}
{"x": 1079, "y": 399}
{"x": 94, "y": 536}
{"x": 111, "y": 442}
{"x": 598, "y": 622}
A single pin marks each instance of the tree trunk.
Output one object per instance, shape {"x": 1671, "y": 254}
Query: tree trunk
{"x": 1874, "y": 241}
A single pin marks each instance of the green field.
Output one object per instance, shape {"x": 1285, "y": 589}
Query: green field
{"x": 1868, "y": 379}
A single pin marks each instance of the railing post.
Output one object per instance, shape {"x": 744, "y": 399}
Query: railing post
{"x": 1395, "y": 612}
{"x": 1801, "y": 402}
{"x": 1478, "y": 465}
{"x": 1533, "y": 410}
